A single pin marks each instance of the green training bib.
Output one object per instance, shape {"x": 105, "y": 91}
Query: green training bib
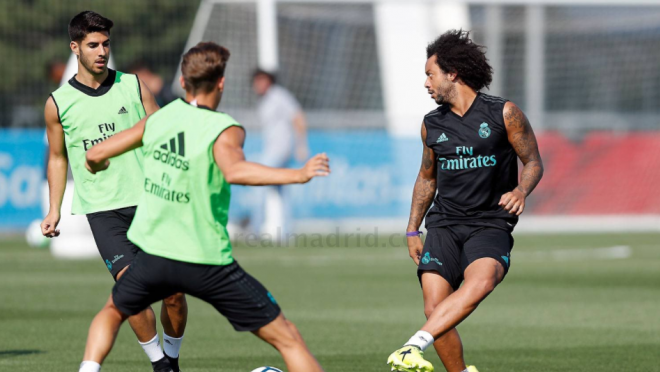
{"x": 90, "y": 116}
{"x": 183, "y": 212}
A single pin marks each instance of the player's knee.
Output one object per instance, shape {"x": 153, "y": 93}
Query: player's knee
{"x": 176, "y": 301}
{"x": 112, "y": 309}
{"x": 428, "y": 309}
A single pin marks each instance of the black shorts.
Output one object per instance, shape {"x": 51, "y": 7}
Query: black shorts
{"x": 450, "y": 249}
{"x": 109, "y": 229}
{"x": 234, "y": 293}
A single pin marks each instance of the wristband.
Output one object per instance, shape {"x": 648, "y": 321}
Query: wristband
{"x": 414, "y": 233}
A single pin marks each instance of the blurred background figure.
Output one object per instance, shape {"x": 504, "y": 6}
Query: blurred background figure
{"x": 154, "y": 81}
{"x": 284, "y": 138}
{"x": 55, "y": 71}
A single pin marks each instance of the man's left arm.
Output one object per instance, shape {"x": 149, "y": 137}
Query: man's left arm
{"x": 522, "y": 138}
{"x": 148, "y": 99}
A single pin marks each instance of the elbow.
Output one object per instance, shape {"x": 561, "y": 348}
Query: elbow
{"x": 426, "y": 177}
{"x": 235, "y": 173}
{"x": 58, "y": 158}
{"x": 232, "y": 178}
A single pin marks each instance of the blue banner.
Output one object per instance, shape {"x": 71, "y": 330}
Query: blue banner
{"x": 372, "y": 176}
{"x": 22, "y": 154}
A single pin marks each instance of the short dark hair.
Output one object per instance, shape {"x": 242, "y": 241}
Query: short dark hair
{"x": 260, "y": 72}
{"x": 203, "y": 65}
{"x": 87, "y": 22}
{"x": 456, "y": 53}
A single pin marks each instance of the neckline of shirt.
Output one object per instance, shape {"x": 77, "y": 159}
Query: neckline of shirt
{"x": 95, "y": 92}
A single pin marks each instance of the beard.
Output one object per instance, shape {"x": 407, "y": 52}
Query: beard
{"x": 90, "y": 66}
{"x": 445, "y": 94}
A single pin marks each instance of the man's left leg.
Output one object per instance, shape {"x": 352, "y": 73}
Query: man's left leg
{"x": 481, "y": 278}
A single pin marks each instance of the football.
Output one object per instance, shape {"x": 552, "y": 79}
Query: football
{"x": 267, "y": 369}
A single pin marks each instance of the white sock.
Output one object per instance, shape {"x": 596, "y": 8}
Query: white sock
{"x": 152, "y": 349}
{"x": 171, "y": 345}
{"x": 89, "y": 366}
{"x": 421, "y": 339}
{"x": 465, "y": 370}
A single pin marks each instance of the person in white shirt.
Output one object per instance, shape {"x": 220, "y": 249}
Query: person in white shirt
{"x": 284, "y": 138}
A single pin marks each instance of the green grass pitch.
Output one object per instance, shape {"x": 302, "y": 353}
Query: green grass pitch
{"x": 563, "y": 307}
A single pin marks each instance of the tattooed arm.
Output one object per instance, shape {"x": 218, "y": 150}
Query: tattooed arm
{"x": 423, "y": 194}
{"x": 521, "y": 137}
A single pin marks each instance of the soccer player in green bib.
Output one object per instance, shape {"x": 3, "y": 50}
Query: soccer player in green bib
{"x": 192, "y": 154}
{"x": 96, "y": 104}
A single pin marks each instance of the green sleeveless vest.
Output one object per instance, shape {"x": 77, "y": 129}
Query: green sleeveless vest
{"x": 90, "y": 116}
{"x": 183, "y": 212}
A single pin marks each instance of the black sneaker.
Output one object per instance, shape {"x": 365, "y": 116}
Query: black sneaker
{"x": 174, "y": 363}
{"x": 162, "y": 365}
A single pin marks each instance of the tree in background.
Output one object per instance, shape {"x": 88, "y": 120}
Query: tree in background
{"x": 33, "y": 34}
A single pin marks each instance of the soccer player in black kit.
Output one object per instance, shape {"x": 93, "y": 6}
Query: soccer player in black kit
{"x": 469, "y": 171}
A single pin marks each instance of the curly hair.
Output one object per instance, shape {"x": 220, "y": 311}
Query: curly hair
{"x": 456, "y": 53}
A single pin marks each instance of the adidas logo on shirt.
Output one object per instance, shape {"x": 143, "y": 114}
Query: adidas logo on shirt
{"x": 122, "y": 110}
{"x": 172, "y": 152}
{"x": 442, "y": 138}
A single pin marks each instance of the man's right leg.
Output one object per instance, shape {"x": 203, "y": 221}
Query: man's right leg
{"x": 139, "y": 287}
{"x": 102, "y": 335}
{"x": 448, "y": 346}
{"x": 173, "y": 317}
{"x": 284, "y": 336}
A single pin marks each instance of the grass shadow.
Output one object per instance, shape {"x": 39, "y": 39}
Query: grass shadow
{"x": 14, "y": 353}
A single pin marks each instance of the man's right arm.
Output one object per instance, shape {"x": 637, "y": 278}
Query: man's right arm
{"x": 229, "y": 156}
{"x": 58, "y": 164}
{"x": 423, "y": 194}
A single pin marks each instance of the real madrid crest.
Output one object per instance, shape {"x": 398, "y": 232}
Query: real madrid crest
{"x": 484, "y": 131}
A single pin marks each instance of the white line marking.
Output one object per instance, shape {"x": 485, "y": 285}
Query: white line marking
{"x": 618, "y": 252}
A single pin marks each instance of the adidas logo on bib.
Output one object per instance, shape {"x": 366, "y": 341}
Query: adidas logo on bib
{"x": 122, "y": 110}
{"x": 173, "y": 152}
{"x": 442, "y": 138}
